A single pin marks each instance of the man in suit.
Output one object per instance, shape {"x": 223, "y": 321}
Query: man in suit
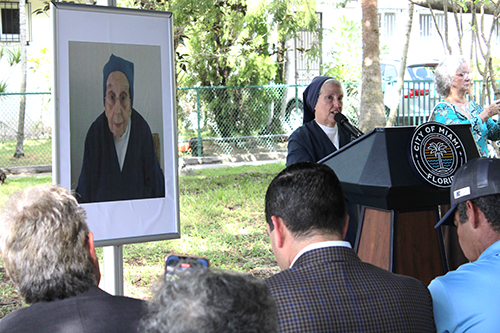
{"x": 324, "y": 286}
{"x": 467, "y": 299}
{"x": 48, "y": 252}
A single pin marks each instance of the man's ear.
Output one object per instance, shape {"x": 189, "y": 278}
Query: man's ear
{"x": 474, "y": 214}
{"x": 93, "y": 255}
{"x": 279, "y": 230}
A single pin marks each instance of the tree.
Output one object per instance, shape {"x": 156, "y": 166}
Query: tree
{"x": 399, "y": 84}
{"x": 372, "y": 106}
{"x": 481, "y": 37}
{"x": 231, "y": 43}
{"x": 22, "y": 104}
{"x": 488, "y": 6}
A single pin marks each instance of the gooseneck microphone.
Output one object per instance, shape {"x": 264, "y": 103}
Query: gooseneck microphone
{"x": 344, "y": 122}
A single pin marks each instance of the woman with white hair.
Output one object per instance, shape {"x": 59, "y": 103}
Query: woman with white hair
{"x": 452, "y": 80}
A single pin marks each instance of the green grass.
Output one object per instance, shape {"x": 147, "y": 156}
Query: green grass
{"x": 13, "y": 185}
{"x": 36, "y": 152}
{"x": 222, "y": 218}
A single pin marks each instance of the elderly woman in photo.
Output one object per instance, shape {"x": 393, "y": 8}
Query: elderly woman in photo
{"x": 119, "y": 161}
{"x": 452, "y": 79}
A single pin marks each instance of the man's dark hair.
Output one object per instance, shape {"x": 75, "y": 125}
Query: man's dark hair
{"x": 488, "y": 205}
{"x": 211, "y": 301}
{"x": 309, "y": 198}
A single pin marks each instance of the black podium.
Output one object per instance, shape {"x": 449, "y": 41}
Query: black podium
{"x": 399, "y": 209}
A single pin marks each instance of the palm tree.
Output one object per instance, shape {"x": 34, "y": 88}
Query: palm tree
{"x": 438, "y": 149}
{"x": 371, "y": 108}
{"x": 22, "y": 104}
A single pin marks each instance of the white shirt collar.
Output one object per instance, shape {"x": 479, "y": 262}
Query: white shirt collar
{"x": 319, "y": 245}
{"x": 122, "y": 144}
{"x": 332, "y": 133}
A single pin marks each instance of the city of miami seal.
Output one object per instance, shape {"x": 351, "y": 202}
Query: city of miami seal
{"x": 436, "y": 153}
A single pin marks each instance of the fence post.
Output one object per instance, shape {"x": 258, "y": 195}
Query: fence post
{"x": 297, "y": 97}
{"x": 199, "y": 144}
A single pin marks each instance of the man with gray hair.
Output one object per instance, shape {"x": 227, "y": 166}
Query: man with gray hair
{"x": 468, "y": 298}
{"x": 211, "y": 301}
{"x": 48, "y": 252}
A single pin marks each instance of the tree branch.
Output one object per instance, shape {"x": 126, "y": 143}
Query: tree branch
{"x": 439, "y": 5}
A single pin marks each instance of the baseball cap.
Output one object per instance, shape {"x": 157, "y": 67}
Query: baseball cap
{"x": 477, "y": 178}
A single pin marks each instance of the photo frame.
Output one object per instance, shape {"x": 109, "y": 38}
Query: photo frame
{"x": 85, "y": 37}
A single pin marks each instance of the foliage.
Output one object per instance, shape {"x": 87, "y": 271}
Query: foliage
{"x": 346, "y": 55}
{"x": 14, "y": 56}
{"x": 233, "y": 43}
{"x": 9, "y": 58}
{"x": 41, "y": 64}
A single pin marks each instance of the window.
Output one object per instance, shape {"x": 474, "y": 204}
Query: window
{"x": 306, "y": 67}
{"x": 427, "y": 26}
{"x": 386, "y": 24}
{"x": 9, "y": 21}
{"x": 387, "y": 27}
{"x": 496, "y": 36}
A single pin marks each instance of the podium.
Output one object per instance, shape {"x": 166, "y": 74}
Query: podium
{"x": 398, "y": 207}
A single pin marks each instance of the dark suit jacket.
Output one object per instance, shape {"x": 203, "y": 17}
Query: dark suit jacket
{"x": 332, "y": 290}
{"x": 309, "y": 143}
{"x": 93, "y": 311}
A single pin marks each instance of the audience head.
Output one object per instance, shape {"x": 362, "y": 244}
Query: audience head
{"x": 309, "y": 199}
{"x": 46, "y": 246}
{"x": 318, "y": 108}
{"x": 445, "y": 73}
{"x": 475, "y": 192}
{"x": 211, "y": 301}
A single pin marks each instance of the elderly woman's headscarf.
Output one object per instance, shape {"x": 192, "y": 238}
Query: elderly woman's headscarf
{"x": 119, "y": 64}
{"x": 310, "y": 97}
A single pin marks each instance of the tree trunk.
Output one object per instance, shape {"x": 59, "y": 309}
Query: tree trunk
{"x": 402, "y": 69}
{"x": 22, "y": 104}
{"x": 372, "y": 106}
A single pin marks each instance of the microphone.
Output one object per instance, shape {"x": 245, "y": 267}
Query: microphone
{"x": 344, "y": 122}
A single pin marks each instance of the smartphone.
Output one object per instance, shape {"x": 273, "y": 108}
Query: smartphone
{"x": 177, "y": 263}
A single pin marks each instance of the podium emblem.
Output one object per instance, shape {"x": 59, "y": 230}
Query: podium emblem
{"x": 436, "y": 153}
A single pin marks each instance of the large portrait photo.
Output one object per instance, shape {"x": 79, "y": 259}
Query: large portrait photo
{"x": 115, "y": 145}
{"x": 115, "y": 119}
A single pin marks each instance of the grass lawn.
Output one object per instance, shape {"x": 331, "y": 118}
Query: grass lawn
{"x": 36, "y": 152}
{"x": 222, "y": 218}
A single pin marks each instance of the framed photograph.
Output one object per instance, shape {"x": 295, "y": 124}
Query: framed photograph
{"x": 115, "y": 135}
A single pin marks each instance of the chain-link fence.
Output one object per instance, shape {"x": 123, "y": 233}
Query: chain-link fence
{"x": 38, "y": 124}
{"x": 239, "y": 120}
{"x": 211, "y": 120}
